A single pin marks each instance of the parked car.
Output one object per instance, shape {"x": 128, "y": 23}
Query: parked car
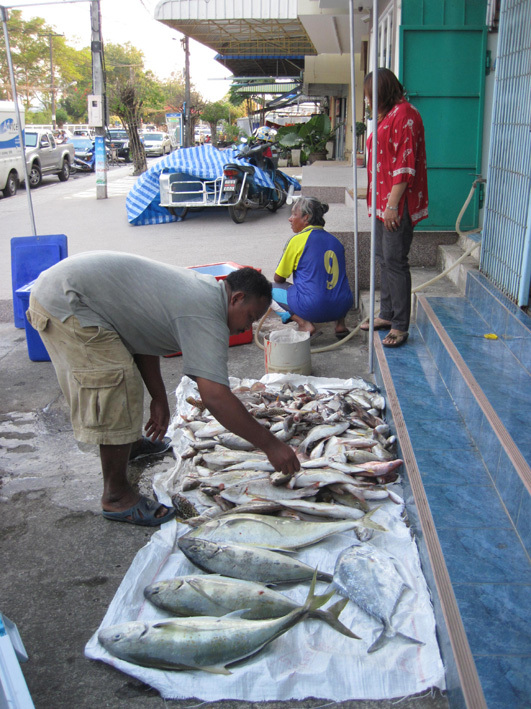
{"x": 119, "y": 141}
{"x": 83, "y": 147}
{"x": 46, "y": 157}
{"x": 12, "y": 171}
{"x": 157, "y": 143}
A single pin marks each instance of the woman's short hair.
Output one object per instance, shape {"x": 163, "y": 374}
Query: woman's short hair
{"x": 390, "y": 90}
{"x": 313, "y": 209}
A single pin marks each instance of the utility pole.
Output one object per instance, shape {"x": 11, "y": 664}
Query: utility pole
{"x": 52, "y": 87}
{"x": 187, "y": 131}
{"x": 98, "y": 88}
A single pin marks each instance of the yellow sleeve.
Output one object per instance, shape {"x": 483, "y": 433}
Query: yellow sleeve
{"x": 292, "y": 253}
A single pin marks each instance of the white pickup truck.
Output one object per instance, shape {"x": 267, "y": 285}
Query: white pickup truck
{"x": 44, "y": 156}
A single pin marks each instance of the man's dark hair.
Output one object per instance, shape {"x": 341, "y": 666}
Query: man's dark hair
{"x": 251, "y": 282}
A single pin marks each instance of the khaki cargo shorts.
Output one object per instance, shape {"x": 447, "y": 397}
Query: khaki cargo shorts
{"x": 98, "y": 377}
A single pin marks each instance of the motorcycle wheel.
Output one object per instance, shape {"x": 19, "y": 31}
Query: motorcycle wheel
{"x": 238, "y": 212}
{"x": 179, "y": 212}
{"x": 281, "y": 197}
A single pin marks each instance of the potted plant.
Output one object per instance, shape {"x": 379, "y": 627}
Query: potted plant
{"x": 360, "y": 143}
{"x": 311, "y": 137}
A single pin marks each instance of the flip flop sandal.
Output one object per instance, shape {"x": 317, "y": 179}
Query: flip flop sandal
{"x": 397, "y": 340}
{"x": 149, "y": 448}
{"x": 142, "y": 514}
{"x": 377, "y": 326}
{"x": 342, "y": 335}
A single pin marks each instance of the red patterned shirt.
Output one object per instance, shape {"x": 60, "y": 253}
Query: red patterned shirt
{"x": 401, "y": 158}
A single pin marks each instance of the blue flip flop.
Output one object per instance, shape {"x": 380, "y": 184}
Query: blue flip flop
{"x": 149, "y": 448}
{"x": 142, "y": 514}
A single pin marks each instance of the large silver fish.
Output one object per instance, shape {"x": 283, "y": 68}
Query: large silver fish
{"x": 201, "y": 643}
{"x": 276, "y": 533}
{"x": 368, "y": 577}
{"x": 216, "y": 596}
{"x": 242, "y": 561}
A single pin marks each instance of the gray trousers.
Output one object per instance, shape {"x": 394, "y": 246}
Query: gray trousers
{"x": 391, "y": 251}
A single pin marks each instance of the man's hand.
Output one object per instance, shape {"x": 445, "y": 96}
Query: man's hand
{"x": 282, "y": 457}
{"x": 159, "y": 420}
{"x": 149, "y": 367}
{"x": 232, "y": 414}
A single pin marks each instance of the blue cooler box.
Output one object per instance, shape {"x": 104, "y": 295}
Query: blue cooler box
{"x": 36, "y": 349}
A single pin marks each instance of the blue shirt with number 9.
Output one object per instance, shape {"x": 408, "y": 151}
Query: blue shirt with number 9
{"x": 320, "y": 290}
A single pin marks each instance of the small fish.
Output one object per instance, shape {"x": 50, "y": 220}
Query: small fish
{"x": 211, "y": 429}
{"x": 368, "y": 577}
{"x": 323, "y": 431}
{"x": 319, "y": 478}
{"x": 261, "y": 464}
{"x": 329, "y": 510}
{"x": 259, "y": 489}
{"x": 234, "y": 442}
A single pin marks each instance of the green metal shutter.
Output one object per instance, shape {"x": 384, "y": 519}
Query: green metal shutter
{"x": 442, "y": 66}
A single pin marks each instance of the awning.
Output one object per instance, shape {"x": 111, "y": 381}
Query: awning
{"x": 246, "y": 27}
{"x": 263, "y": 64}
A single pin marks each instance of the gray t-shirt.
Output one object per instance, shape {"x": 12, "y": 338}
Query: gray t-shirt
{"x": 155, "y": 308}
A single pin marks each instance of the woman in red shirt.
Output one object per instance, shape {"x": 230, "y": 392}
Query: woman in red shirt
{"x": 401, "y": 200}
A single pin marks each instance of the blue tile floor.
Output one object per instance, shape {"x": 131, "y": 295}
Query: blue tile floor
{"x": 489, "y": 568}
{"x": 504, "y": 379}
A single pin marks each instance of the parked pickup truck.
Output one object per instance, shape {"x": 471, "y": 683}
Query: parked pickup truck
{"x": 46, "y": 157}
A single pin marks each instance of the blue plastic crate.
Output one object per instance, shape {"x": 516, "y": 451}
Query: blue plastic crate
{"x": 30, "y": 256}
{"x": 36, "y": 350}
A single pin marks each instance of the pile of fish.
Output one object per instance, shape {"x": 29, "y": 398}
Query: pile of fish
{"x": 254, "y": 520}
{"x": 344, "y": 445}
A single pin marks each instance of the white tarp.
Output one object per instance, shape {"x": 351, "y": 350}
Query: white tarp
{"x": 311, "y": 659}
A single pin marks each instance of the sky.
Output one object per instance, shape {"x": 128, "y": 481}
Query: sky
{"x": 132, "y": 21}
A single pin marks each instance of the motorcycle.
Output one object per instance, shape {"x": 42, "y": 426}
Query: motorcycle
{"x": 239, "y": 189}
{"x": 87, "y": 163}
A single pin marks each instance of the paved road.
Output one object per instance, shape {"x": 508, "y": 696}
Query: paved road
{"x": 60, "y": 562}
{"x": 71, "y": 208}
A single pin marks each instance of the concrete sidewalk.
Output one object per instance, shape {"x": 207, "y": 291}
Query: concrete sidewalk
{"x": 61, "y": 561}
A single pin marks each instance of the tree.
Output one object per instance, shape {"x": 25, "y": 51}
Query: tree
{"x": 131, "y": 91}
{"x": 213, "y": 113}
{"x": 30, "y": 53}
{"x": 174, "y": 91}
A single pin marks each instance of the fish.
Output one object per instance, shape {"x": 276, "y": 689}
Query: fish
{"x": 222, "y": 457}
{"x": 231, "y": 440}
{"x": 233, "y": 477}
{"x": 251, "y": 464}
{"x": 259, "y": 489}
{"x": 323, "y": 431}
{"x": 215, "y": 596}
{"x": 319, "y": 477}
{"x": 368, "y": 577}
{"x": 325, "y": 509}
{"x": 246, "y": 562}
{"x": 275, "y": 533}
{"x": 200, "y": 643}
{"x": 210, "y": 429}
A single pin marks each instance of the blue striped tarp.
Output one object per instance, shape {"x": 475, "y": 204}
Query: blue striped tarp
{"x": 204, "y": 162}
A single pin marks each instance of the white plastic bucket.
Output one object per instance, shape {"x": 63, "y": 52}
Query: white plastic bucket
{"x": 288, "y": 351}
